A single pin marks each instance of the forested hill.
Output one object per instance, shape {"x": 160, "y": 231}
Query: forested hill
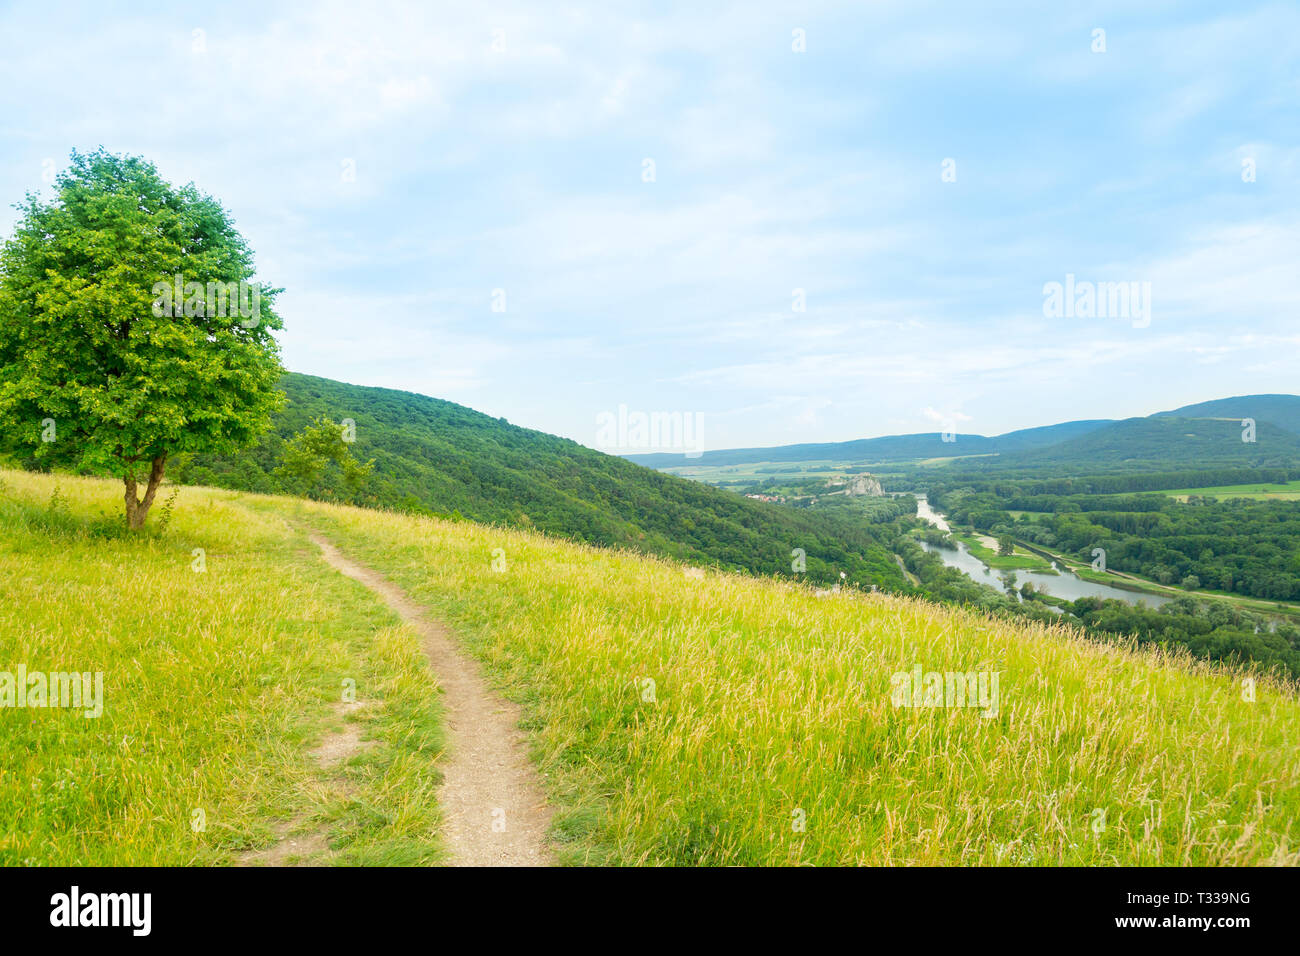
{"x": 1155, "y": 444}
{"x": 438, "y": 457}
{"x": 1280, "y": 410}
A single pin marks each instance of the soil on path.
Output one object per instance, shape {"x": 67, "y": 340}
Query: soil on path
{"x": 491, "y": 797}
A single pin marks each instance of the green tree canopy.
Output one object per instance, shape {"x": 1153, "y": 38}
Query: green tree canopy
{"x": 131, "y": 328}
{"x": 307, "y": 454}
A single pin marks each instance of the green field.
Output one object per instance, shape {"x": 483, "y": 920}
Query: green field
{"x": 217, "y": 685}
{"x": 712, "y": 719}
{"x": 951, "y": 458}
{"x": 749, "y": 474}
{"x": 754, "y": 473}
{"x": 1290, "y": 491}
{"x": 1019, "y": 560}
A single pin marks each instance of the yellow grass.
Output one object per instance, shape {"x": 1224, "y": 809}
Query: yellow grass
{"x": 772, "y": 706}
{"x": 712, "y": 719}
{"x": 216, "y": 685}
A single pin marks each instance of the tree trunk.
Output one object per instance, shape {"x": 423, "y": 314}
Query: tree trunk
{"x": 138, "y": 511}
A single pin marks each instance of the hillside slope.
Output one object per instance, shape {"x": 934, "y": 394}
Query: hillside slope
{"x": 735, "y": 721}
{"x": 1280, "y": 410}
{"x": 222, "y": 642}
{"x": 716, "y": 720}
{"x": 438, "y": 457}
{"x": 1158, "y": 443}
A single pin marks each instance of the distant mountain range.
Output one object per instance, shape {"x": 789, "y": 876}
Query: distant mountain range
{"x": 1207, "y": 432}
{"x": 888, "y": 448}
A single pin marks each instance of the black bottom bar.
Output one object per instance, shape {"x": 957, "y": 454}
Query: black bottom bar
{"x": 336, "y": 906}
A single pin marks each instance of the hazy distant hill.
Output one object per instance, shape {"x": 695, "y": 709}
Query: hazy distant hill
{"x": 1165, "y": 441}
{"x": 1280, "y": 410}
{"x": 1213, "y": 439}
{"x": 890, "y": 448}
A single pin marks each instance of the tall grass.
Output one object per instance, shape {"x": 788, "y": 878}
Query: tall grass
{"x": 769, "y": 736}
{"x": 216, "y": 685}
{"x": 677, "y": 719}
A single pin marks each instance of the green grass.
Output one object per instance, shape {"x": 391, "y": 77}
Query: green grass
{"x": 216, "y": 686}
{"x": 769, "y": 702}
{"x": 677, "y": 720}
{"x": 757, "y": 472}
{"x": 1290, "y": 491}
{"x": 951, "y": 458}
{"x": 1019, "y": 560}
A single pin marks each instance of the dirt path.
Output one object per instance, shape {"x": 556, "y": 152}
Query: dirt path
{"x": 496, "y": 814}
{"x": 297, "y": 842}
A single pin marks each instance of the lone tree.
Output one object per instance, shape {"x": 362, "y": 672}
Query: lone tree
{"x": 307, "y": 455}
{"x": 130, "y": 329}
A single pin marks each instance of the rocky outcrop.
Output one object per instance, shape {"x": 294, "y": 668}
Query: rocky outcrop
{"x": 864, "y": 485}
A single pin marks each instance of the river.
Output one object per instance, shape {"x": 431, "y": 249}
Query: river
{"x": 1066, "y": 584}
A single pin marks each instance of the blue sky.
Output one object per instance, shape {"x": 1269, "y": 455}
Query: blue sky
{"x": 502, "y": 146}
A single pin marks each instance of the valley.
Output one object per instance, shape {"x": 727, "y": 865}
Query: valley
{"x": 705, "y": 677}
{"x": 1057, "y": 581}
{"x": 1060, "y": 519}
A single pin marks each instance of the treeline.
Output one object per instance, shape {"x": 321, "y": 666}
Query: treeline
{"x": 1084, "y": 503}
{"x": 1210, "y": 629}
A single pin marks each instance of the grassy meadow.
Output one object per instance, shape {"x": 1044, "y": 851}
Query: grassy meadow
{"x": 1287, "y": 491}
{"x": 677, "y": 718}
{"x": 217, "y": 685}
{"x": 770, "y": 708}
{"x": 1019, "y": 560}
